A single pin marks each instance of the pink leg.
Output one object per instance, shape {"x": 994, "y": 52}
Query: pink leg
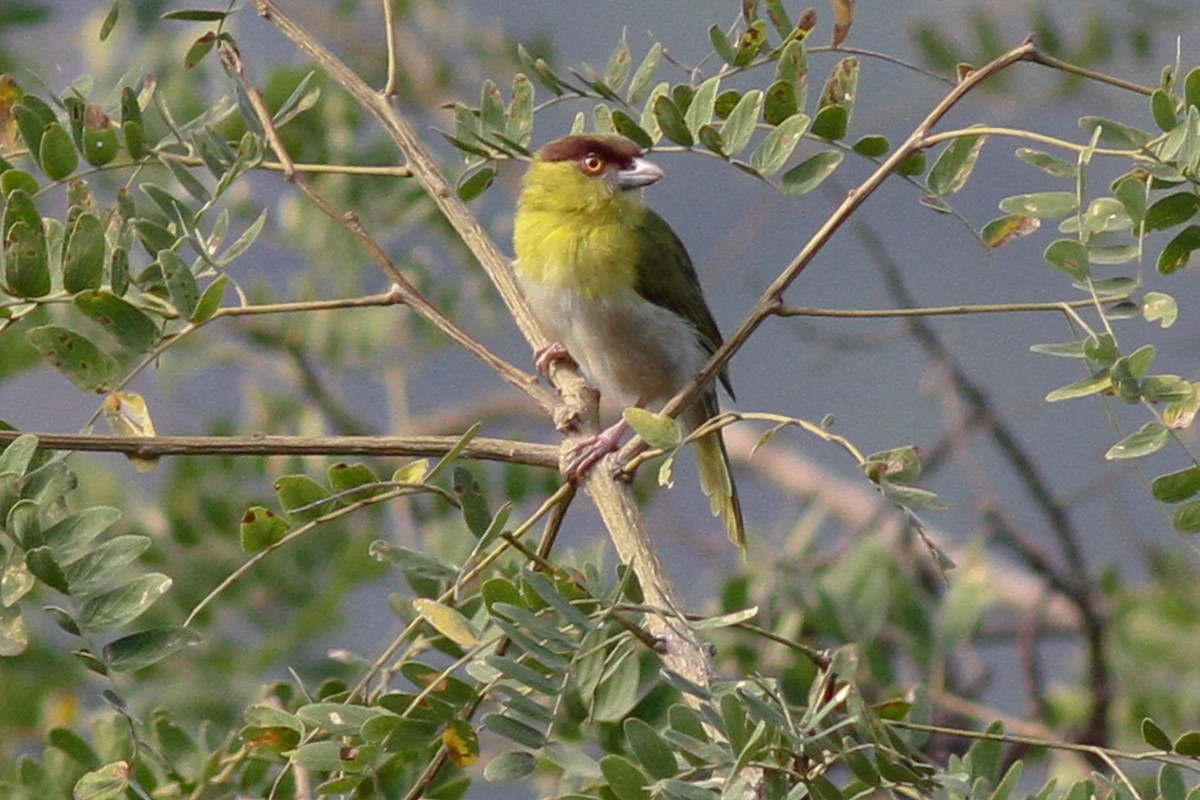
{"x": 585, "y": 454}
{"x": 545, "y": 356}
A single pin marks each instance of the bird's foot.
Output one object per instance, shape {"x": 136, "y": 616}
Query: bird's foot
{"x": 543, "y": 357}
{"x": 584, "y": 455}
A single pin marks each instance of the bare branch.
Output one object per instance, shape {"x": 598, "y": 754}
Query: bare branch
{"x": 534, "y": 455}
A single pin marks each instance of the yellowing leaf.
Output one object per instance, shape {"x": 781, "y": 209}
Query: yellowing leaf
{"x": 127, "y": 415}
{"x": 447, "y": 621}
{"x": 461, "y": 743}
{"x": 412, "y": 472}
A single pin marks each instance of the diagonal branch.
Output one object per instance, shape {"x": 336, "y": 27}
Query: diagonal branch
{"x": 684, "y": 653}
{"x": 772, "y": 299}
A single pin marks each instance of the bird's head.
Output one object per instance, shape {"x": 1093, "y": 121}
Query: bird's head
{"x": 586, "y": 173}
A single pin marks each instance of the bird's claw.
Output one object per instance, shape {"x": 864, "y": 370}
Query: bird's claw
{"x": 584, "y": 455}
{"x": 544, "y": 357}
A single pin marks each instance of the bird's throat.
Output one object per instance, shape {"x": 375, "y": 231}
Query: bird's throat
{"x": 593, "y": 253}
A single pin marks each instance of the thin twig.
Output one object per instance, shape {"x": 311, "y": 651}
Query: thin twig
{"x": 940, "y": 311}
{"x": 511, "y": 452}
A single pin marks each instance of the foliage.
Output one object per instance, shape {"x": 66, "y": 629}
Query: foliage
{"x": 137, "y": 235}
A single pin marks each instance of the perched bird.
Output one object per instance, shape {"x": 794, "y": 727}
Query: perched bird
{"x": 614, "y": 288}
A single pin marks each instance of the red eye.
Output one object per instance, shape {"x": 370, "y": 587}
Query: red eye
{"x": 592, "y": 164}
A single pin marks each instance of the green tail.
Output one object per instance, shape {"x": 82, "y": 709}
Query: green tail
{"x": 716, "y": 479}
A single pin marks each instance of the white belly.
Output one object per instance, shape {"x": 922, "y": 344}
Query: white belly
{"x": 630, "y": 348}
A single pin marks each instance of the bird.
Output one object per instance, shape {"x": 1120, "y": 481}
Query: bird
{"x": 613, "y": 287}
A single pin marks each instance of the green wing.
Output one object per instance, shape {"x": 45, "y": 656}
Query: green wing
{"x": 666, "y": 277}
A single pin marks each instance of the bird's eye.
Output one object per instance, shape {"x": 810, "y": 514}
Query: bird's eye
{"x": 592, "y": 164}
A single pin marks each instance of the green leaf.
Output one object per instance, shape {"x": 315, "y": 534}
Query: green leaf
{"x": 243, "y": 242}
{"x": 639, "y": 85}
{"x": 1188, "y": 744}
{"x": 83, "y": 261}
{"x": 491, "y": 107}
{"x": 145, "y": 648}
{"x": 1068, "y": 255}
{"x": 519, "y": 126}
{"x": 1187, "y": 517}
{"x": 110, "y": 782}
{"x": 1040, "y": 204}
{"x": 671, "y": 120}
{"x": 260, "y": 528}
{"x": 20, "y": 207}
{"x": 1191, "y": 88}
{"x": 627, "y": 126}
{"x": 1132, "y": 193}
{"x": 26, "y": 261}
{"x": 122, "y": 605}
{"x": 1162, "y": 108}
{"x": 15, "y": 458}
{"x": 1102, "y": 349}
{"x": 1081, "y": 388}
{"x": 56, "y": 152}
{"x": 474, "y": 505}
{"x": 616, "y": 694}
{"x": 301, "y": 497}
{"x": 181, "y": 283}
{"x": 700, "y": 110}
{"x": 775, "y": 149}
{"x": 337, "y": 719}
{"x": 1153, "y": 735}
{"x": 100, "y": 144}
{"x": 626, "y": 781}
{"x": 510, "y": 766}
{"x": 1167, "y": 389}
{"x": 1161, "y": 307}
{"x": 344, "y": 478}
{"x": 1150, "y": 438}
{"x": 780, "y": 102}
{"x": 617, "y": 68}
{"x": 17, "y": 179}
{"x": 1174, "y": 209}
{"x": 210, "y": 300}
{"x": 659, "y": 431}
{"x": 739, "y": 125}
{"x": 40, "y": 561}
{"x": 872, "y": 146}
{"x": 1047, "y": 163}
{"x": 810, "y": 173}
{"x": 76, "y": 357}
{"x": 954, "y": 166}
{"x": 792, "y": 68}
{"x": 447, "y": 621}
{"x": 1179, "y": 250}
{"x": 125, "y": 321}
{"x": 110, "y": 20}
{"x": 911, "y": 496}
{"x": 651, "y": 749}
{"x": 191, "y": 15}
{"x": 721, "y": 45}
{"x": 514, "y": 731}
{"x": 1114, "y": 134}
{"x": 100, "y": 568}
{"x": 837, "y": 100}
